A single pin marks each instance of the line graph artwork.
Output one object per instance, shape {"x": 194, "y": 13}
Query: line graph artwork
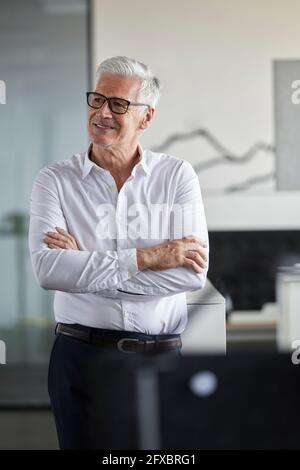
{"x": 225, "y": 155}
{"x": 251, "y": 182}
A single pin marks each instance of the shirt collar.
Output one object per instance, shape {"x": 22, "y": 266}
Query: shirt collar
{"x": 88, "y": 164}
{"x": 143, "y": 161}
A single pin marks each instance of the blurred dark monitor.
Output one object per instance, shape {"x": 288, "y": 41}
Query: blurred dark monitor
{"x": 243, "y": 264}
{"x": 242, "y": 401}
{"x": 239, "y": 402}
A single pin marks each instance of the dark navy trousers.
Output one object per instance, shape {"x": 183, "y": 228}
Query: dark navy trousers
{"x": 93, "y": 395}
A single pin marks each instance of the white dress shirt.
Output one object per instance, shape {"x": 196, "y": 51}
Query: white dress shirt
{"x": 101, "y": 285}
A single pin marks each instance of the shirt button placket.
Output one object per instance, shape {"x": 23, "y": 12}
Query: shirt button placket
{"x": 121, "y": 219}
{"x": 126, "y": 319}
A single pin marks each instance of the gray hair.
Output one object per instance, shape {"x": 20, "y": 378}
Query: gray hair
{"x": 150, "y": 85}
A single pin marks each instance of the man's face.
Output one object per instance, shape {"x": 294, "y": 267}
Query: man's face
{"x": 117, "y": 130}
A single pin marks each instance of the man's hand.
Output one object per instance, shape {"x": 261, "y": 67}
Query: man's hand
{"x": 62, "y": 239}
{"x": 187, "y": 251}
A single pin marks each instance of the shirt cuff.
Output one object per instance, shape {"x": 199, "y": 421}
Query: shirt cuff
{"x": 128, "y": 261}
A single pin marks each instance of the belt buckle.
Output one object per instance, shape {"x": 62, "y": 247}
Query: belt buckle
{"x": 122, "y": 341}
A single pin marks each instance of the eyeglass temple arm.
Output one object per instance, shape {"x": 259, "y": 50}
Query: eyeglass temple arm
{"x": 139, "y": 104}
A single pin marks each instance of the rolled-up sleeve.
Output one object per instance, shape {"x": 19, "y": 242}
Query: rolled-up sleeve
{"x": 70, "y": 270}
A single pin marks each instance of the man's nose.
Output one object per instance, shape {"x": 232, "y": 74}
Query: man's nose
{"x": 104, "y": 110}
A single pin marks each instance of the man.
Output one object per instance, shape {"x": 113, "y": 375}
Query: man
{"x": 120, "y": 234}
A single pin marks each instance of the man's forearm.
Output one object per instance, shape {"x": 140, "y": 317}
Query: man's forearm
{"x": 176, "y": 266}
{"x": 189, "y": 252}
{"x": 82, "y": 271}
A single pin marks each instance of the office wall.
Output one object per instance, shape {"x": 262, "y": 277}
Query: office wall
{"x": 215, "y": 61}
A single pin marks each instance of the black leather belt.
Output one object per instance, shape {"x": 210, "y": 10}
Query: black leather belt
{"x": 121, "y": 341}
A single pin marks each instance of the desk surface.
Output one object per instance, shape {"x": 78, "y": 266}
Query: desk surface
{"x": 209, "y": 295}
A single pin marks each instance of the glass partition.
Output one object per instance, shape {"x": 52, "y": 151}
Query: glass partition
{"x": 44, "y": 76}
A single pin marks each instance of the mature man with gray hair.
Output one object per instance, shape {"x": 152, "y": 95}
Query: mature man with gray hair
{"x": 120, "y": 234}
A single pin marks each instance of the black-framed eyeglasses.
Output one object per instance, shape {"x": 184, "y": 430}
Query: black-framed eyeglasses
{"x": 116, "y": 105}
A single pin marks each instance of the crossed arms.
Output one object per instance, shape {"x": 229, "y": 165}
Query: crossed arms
{"x": 176, "y": 266}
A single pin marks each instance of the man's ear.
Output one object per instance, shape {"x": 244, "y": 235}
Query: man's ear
{"x": 147, "y": 118}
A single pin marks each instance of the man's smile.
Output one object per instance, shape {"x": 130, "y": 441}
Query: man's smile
{"x": 102, "y": 126}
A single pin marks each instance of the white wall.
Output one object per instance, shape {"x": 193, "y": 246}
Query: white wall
{"x": 215, "y": 61}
